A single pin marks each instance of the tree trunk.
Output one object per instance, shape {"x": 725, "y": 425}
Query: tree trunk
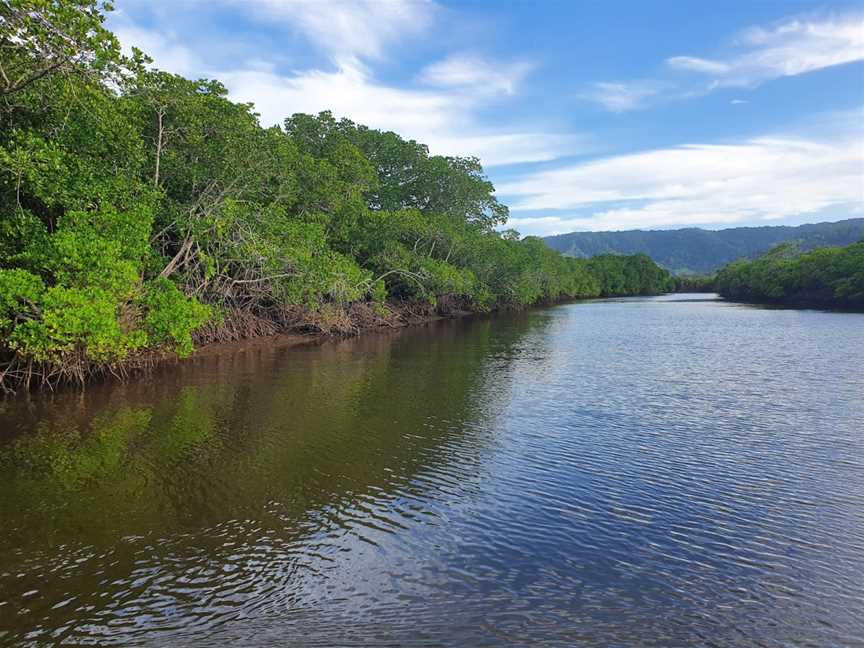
{"x": 160, "y": 114}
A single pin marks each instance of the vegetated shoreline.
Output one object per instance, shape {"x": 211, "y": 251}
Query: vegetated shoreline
{"x": 295, "y": 327}
{"x": 237, "y": 332}
{"x": 824, "y": 278}
{"x": 361, "y": 319}
{"x": 695, "y": 251}
{"x": 810, "y": 305}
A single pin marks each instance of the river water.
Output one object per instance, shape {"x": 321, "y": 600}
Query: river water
{"x": 673, "y": 471}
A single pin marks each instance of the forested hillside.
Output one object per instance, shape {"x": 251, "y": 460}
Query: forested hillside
{"x": 699, "y": 251}
{"x": 143, "y": 211}
{"x": 825, "y": 277}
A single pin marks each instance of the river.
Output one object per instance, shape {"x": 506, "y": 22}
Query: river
{"x": 671, "y": 471}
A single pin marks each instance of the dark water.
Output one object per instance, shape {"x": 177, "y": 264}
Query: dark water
{"x": 646, "y": 472}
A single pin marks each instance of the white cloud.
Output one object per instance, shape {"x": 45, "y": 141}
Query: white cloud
{"x": 163, "y": 47}
{"x": 758, "y": 179}
{"x": 738, "y": 102}
{"x": 349, "y": 28}
{"x": 542, "y": 225}
{"x": 788, "y": 49}
{"x": 443, "y": 120}
{"x": 443, "y": 116}
{"x": 474, "y": 72}
{"x": 348, "y": 91}
{"x": 698, "y": 65}
{"x": 620, "y": 97}
{"x": 508, "y": 148}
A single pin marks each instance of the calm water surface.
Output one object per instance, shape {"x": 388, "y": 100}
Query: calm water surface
{"x": 672, "y": 471}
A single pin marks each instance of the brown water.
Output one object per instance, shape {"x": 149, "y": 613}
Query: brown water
{"x": 671, "y": 471}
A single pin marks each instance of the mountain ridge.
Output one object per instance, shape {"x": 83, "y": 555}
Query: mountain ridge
{"x": 694, "y": 250}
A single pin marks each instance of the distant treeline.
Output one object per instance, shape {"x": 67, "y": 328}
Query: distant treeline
{"x": 694, "y": 283}
{"x": 145, "y": 211}
{"x": 637, "y": 274}
{"x": 699, "y": 251}
{"x": 826, "y": 278}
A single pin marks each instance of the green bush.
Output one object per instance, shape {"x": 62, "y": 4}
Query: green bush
{"x": 171, "y": 316}
{"x": 828, "y": 277}
{"x": 76, "y": 319}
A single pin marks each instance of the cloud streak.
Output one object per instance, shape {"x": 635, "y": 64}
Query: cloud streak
{"x": 618, "y": 97}
{"x": 789, "y": 48}
{"x": 475, "y": 72}
{"x": 763, "y": 178}
{"x": 349, "y": 28}
{"x": 760, "y": 54}
{"x": 444, "y": 120}
{"x": 441, "y": 110}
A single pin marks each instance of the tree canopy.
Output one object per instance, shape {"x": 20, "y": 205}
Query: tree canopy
{"x": 825, "y": 277}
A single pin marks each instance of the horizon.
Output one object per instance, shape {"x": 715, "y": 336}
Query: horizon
{"x": 706, "y": 229}
{"x": 743, "y": 115}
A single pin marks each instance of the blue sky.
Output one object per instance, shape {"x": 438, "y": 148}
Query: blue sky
{"x": 586, "y": 115}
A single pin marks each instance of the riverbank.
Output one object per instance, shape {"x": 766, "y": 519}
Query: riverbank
{"x": 291, "y": 326}
{"x": 235, "y": 330}
{"x": 814, "y": 305}
{"x": 359, "y": 319}
{"x": 825, "y": 278}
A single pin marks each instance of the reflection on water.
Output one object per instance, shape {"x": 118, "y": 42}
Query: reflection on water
{"x": 634, "y": 472}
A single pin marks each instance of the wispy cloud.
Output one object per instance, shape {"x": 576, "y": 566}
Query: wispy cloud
{"x": 617, "y": 96}
{"x": 349, "y": 28}
{"x": 441, "y": 108}
{"x": 758, "y": 54}
{"x": 163, "y": 46}
{"x": 789, "y": 48}
{"x": 696, "y": 64}
{"x": 474, "y": 72}
{"x": 444, "y": 120}
{"x": 762, "y": 178}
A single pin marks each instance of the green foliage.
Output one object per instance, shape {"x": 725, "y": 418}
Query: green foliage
{"x": 694, "y": 283}
{"x": 630, "y": 275}
{"x": 827, "y": 277}
{"x": 71, "y": 320}
{"x": 172, "y": 316}
{"x": 136, "y": 205}
{"x": 45, "y": 37}
{"x": 20, "y": 295}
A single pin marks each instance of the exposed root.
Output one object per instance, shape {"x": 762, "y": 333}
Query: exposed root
{"x": 21, "y": 374}
{"x": 236, "y": 325}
